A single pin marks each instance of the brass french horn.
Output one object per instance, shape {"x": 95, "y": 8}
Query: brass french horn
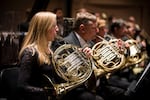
{"x": 72, "y": 65}
{"x": 135, "y": 55}
{"x": 107, "y": 57}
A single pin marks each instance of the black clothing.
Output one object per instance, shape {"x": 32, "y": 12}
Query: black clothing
{"x": 30, "y": 82}
{"x": 112, "y": 91}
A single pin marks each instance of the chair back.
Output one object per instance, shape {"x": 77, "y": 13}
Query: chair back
{"x": 8, "y": 79}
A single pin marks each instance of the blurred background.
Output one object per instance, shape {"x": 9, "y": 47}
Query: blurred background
{"x": 14, "y": 12}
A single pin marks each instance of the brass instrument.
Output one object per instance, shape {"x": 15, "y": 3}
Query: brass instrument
{"x": 75, "y": 68}
{"x": 107, "y": 57}
{"x": 135, "y": 55}
{"x": 72, "y": 65}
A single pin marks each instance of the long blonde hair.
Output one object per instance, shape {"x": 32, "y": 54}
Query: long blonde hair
{"x": 37, "y": 34}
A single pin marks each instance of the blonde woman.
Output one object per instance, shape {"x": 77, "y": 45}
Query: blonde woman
{"x": 35, "y": 60}
{"x": 35, "y": 56}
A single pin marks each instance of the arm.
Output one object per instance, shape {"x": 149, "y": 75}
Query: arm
{"x": 28, "y": 60}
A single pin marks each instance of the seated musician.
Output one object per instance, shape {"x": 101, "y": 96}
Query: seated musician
{"x": 36, "y": 61}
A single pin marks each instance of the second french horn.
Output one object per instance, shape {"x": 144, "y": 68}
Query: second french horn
{"x": 107, "y": 57}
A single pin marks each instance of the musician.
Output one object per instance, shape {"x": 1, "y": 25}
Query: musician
{"x": 136, "y": 33}
{"x": 60, "y": 22}
{"x": 120, "y": 80}
{"x": 36, "y": 60}
{"x": 102, "y": 26}
{"x": 85, "y": 29}
{"x": 105, "y": 88}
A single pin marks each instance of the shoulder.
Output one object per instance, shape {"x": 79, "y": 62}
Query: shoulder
{"x": 70, "y": 37}
{"x": 72, "y": 34}
{"x": 29, "y": 51}
{"x": 28, "y": 56}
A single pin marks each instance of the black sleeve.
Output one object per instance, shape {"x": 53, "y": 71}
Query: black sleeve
{"x": 27, "y": 62}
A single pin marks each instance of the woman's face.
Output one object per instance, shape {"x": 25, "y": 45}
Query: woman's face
{"x": 52, "y": 33}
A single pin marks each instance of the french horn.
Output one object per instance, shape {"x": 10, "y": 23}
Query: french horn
{"x": 72, "y": 65}
{"x": 135, "y": 55}
{"x": 107, "y": 57}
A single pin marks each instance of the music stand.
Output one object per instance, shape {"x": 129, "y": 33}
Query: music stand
{"x": 140, "y": 87}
